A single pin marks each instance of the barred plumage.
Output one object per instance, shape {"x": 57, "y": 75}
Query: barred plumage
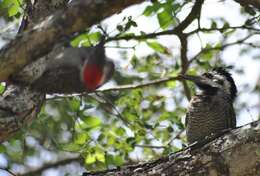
{"x": 211, "y": 111}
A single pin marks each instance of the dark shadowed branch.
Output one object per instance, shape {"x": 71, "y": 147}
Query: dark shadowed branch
{"x": 254, "y": 3}
{"x": 184, "y": 63}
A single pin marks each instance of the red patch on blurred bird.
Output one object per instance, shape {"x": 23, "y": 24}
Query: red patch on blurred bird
{"x": 92, "y": 76}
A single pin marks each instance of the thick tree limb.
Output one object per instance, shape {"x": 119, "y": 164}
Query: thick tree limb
{"x": 18, "y": 107}
{"x": 35, "y": 43}
{"x": 234, "y": 154}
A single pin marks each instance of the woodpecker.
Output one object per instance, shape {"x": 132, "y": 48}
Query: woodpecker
{"x": 211, "y": 111}
{"x": 68, "y": 70}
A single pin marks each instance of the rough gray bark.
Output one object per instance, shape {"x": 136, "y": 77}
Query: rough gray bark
{"x": 18, "y": 107}
{"x": 237, "y": 153}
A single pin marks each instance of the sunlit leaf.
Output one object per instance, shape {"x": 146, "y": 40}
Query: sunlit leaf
{"x": 12, "y": 6}
{"x": 157, "y": 47}
{"x": 90, "y": 159}
{"x": 100, "y": 156}
{"x": 81, "y": 138}
{"x": 92, "y": 121}
{"x": 86, "y": 40}
{"x": 2, "y": 88}
{"x": 165, "y": 19}
{"x": 171, "y": 84}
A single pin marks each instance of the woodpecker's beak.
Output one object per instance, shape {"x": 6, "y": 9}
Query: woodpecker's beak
{"x": 198, "y": 80}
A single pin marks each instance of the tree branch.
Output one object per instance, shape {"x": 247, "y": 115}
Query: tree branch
{"x": 225, "y": 28}
{"x": 136, "y": 86}
{"x": 125, "y": 87}
{"x": 62, "y": 162}
{"x": 234, "y": 154}
{"x": 8, "y": 171}
{"x": 222, "y": 47}
{"x": 18, "y": 107}
{"x": 254, "y": 3}
{"x": 184, "y": 63}
{"x": 195, "y": 11}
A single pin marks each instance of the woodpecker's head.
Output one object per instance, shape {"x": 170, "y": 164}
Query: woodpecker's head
{"x": 216, "y": 80}
{"x": 96, "y": 68}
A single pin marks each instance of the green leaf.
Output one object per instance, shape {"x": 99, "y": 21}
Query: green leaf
{"x": 207, "y": 56}
{"x": 90, "y": 159}
{"x": 157, "y": 47}
{"x": 109, "y": 159}
{"x": 2, "y": 88}
{"x": 2, "y": 149}
{"x": 171, "y": 84}
{"x": 86, "y": 40}
{"x": 120, "y": 28}
{"x": 226, "y": 25}
{"x": 213, "y": 24}
{"x": 81, "y": 138}
{"x": 149, "y": 10}
{"x": 120, "y": 131}
{"x": 75, "y": 104}
{"x": 165, "y": 19}
{"x": 71, "y": 147}
{"x": 118, "y": 160}
{"x": 100, "y": 156}
{"x": 87, "y": 123}
{"x": 134, "y": 60}
{"x": 12, "y": 6}
{"x": 92, "y": 121}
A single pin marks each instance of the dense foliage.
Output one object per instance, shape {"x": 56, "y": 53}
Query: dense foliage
{"x": 118, "y": 126}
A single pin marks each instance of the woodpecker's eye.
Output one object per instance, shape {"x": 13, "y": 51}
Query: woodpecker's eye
{"x": 208, "y": 75}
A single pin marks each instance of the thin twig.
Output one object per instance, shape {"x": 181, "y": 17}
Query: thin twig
{"x": 7, "y": 170}
{"x": 241, "y": 41}
{"x": 119, "y": 115}
{"x": 150, "y": 146}
{"x": 122, "y": 87}
{"x": 195, "y": 11}
{"x": 221, "y": 29}
{"x": 136, "y": 86}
